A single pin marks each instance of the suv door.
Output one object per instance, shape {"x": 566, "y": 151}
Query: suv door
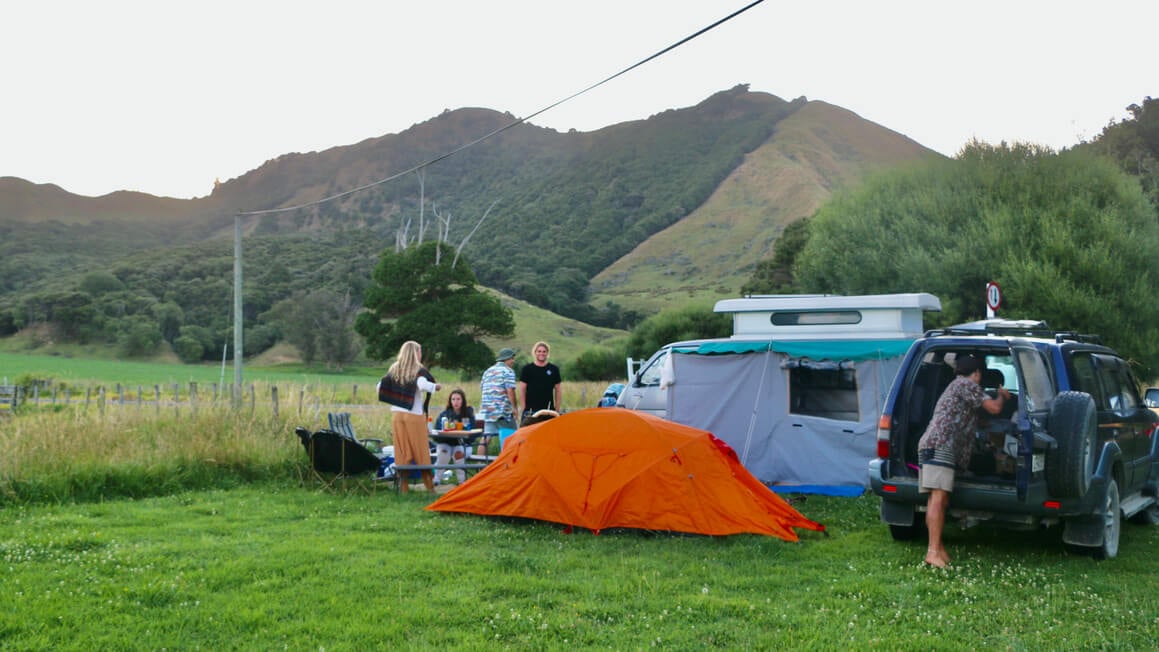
{"x": 1036, "y": 392}
{"x": 1122, "y": 417}
{"x": 1133, "y": 419}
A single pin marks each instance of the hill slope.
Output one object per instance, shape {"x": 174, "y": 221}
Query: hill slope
{"x": 711, "y": 253}
{"x": 680, "y": 205}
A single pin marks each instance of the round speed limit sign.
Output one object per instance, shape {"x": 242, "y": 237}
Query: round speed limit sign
{"x": 993, "y": 296}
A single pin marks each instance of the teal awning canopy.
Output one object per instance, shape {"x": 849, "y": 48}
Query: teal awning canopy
{"x": 812, "y": 349}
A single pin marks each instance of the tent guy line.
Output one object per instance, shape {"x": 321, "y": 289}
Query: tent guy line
{"x": 517, "y": 121}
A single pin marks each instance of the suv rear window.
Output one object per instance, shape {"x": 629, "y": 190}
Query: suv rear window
{"x": 1040, "y": 389}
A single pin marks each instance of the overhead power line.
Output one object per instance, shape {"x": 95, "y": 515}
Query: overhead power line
{"x": 516, "y": 122}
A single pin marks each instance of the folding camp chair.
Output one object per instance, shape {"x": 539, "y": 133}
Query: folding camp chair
{"x": 334, "y": 457}
{"x": 340, "y": 423}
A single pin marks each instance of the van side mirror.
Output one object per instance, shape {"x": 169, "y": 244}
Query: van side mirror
{"x": 1151, "y": 397}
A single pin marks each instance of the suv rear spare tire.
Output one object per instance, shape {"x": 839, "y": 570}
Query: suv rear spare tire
{"x": 1074, "y": 425}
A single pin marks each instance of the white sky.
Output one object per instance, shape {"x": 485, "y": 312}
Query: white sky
{"x": 164, "y": 97}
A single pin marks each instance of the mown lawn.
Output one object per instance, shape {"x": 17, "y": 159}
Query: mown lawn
{"x": 274, "y": 565}
{"x": 182, "y": 528}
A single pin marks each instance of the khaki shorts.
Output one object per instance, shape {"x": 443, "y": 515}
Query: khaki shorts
{"x": 932, "y": 476}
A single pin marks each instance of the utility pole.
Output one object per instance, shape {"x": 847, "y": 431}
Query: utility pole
{"x": 237, "y": 315}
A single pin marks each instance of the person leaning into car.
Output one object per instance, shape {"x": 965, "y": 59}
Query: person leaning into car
{"x": 945, "y": 446}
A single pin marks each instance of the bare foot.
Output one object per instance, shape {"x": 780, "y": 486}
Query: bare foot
{"x": 936, "y": 561}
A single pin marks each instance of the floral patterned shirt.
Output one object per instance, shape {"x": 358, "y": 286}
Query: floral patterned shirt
{"x": 949, "y": 436}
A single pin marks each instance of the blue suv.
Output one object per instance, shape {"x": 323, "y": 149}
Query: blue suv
{"x": 1076, "y": 447}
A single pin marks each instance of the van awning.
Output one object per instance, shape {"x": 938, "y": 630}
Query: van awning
{"x": 812, "y": 349}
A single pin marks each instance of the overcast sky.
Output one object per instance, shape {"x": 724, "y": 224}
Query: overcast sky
{"x": 164, "y": 97}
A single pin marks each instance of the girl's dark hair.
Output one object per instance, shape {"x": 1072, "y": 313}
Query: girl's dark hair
{"x": 460, "y": 392}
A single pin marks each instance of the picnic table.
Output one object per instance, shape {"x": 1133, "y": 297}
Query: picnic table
{"x": 473, "y": 464}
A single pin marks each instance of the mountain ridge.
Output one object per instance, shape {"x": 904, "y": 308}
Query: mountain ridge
{"x": 574, "y": 220}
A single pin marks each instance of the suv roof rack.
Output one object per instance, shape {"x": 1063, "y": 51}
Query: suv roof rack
{"x": 1012, "y": 328}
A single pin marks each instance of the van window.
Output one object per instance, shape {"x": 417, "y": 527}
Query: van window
{"x": 797, "y": 318}
{"x": 650, "y": 375}
{"x": 824, "y": 392}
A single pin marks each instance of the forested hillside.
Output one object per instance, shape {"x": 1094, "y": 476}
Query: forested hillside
{"x": 561, "y": 207}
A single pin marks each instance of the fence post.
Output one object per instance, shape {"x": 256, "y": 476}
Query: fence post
{"x": 301, "y": 400}
{"x": 101, "y": 401}
{"x": 193, "y": 397}
{"x": 157, "y": 398}
{"x": 88, "y": 396}
{"x": 354, "y": 394}
{"x": 140, "y": 398}
{"x": 274, "y": 399}
{"x": 253, "y": 399}
{"x": 120, "y": 394}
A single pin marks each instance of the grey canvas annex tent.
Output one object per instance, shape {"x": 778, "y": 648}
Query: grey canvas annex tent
{"x": 797, "y": 390}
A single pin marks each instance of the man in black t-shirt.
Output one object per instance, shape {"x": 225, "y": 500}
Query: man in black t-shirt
{"x": 540, "y": 385}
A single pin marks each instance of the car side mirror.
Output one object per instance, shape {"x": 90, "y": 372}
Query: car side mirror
{"x": 1151, "y": 397}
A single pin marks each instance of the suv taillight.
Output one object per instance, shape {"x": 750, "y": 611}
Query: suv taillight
{"x": 883, "y": 428}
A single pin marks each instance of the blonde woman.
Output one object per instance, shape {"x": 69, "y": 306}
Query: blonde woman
{"x": 401, "y": 387}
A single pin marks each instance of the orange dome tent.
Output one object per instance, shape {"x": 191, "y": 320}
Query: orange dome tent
{"x": 604, "y": 468}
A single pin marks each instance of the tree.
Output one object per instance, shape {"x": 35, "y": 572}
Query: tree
{"x": 1134, "y": 144}
{"x": 413, "y": 297}
{"x": 774, "y": 275}
{"x": 688, "y": 323}
{"x": 95, "y": 283}
{"x": 138, "y": 337}
{"x": 600, "y": 363}
{"x": 169, "y": 318}
{"x": 1069, "y": 237}
{"x": 336, "y": 340}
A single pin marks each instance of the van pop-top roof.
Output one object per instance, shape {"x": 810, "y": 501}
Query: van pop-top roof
{"x": 828, "y": 316}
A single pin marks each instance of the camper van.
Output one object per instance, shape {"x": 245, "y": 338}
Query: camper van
{"x": 798, "y": 387}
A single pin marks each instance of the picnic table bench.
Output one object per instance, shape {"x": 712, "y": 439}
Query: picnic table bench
{"x": 403, "y": 469}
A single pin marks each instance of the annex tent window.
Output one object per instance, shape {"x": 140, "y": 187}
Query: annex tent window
{"x": 823, "y": 389}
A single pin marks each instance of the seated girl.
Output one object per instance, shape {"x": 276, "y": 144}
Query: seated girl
{"x": 457, "y": 412}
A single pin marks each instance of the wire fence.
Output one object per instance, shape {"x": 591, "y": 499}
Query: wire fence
{"x": 299, "y": 399}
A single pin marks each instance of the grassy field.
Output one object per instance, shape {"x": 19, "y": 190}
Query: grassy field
{"x": 274, "y": 565}
{"x": 203, "y": 529}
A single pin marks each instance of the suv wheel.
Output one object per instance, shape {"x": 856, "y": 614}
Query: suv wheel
{"x": 1111, "y": 523}
{"x": 1074, "y": 424}
{"x": 911, "y": 531}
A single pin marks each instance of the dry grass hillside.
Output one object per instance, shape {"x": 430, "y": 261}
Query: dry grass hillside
{"x": 709, "y": 254}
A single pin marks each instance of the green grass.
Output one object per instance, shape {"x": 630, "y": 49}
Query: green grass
{"x": 275, "y": 565}
{"x": 85, "y": 370}
{"x": 134, "y": 528}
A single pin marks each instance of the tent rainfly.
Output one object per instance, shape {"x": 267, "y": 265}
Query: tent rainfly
{"x": 601, "y": 468}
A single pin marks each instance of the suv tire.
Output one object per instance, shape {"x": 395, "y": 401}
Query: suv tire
{"x": 1112, "y": 523}
{"x": 911, "y": 531}
{"x": 1069, "y": 465}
